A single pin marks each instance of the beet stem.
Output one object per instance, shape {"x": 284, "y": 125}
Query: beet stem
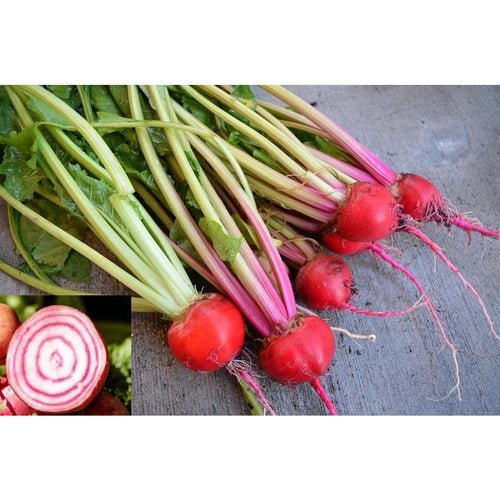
{"x": 378, "y": 250}
{"x": 339, "y": 136}
{"x": 467, "y": 225}
{"x": 424, "y": 238}
{"x": 383, "y": 314}
{"x": 240, "y": 370}
{"x": 368, "y": 336}
{"x": 320, "y": 390}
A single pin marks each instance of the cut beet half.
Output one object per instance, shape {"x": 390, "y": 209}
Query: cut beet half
{"x": 57, "y": 360}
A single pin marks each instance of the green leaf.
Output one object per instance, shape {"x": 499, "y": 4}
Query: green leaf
{"x": 102, "y": 99}
{"x": 263, "y": 156}
{"x": 120, "y": 95}
{"x": 247, "y": 231}
{"x": 67, "y": 93}
{"x": 129, "y": 157}
{"x": 241, "y": 141}
{"x": 76, "y": 268}
{"x": 50, "y": 251}
{"x": 226, "y": 246}
{"x": 189, "y": 199}
{"x": 19, "y": 166}
{"x": 103, "y": 117}
{"x": 8, "y": 116}
{"x": 45, "y": 112}
{"x": 193, "y": 106}
{"x": 119, "y": 380}
{"x": 96, "y": 190}
{"x": 246, "y": 93}
{"x": 177, "y": 234}
{"x": 236, "y": 138}
{"x": 53, "y": 256}
{"x": 160, "y": 141}
{"x": 120, "y": 356}
{"x": 193, "y": 162}
{"x": 56, "y": 192}
{"x": 332, "y": 149}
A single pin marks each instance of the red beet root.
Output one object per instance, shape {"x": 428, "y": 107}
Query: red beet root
{"x": 208, "y": 335}
{"x": 369, "y": 213}
{"x": 325, "y": 282}
{"x": 418, "y": 197}
{"x": 57, "y": 360}
{"x": 9, "y": 322}
{"x": 421, "y": 200}
{"x": 337, "y": 244}
{"x": 105, "y": 403}
{"x": 303, "y": 354}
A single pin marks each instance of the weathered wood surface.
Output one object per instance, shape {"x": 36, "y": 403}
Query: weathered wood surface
{"x": 450, "y": 134}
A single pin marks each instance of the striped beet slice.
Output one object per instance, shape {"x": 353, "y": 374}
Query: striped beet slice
{"x": 57, "y": 360}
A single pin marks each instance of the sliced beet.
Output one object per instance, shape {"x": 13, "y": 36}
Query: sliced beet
{"x": 57, "y": 360}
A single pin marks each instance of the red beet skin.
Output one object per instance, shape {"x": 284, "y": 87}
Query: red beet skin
{"x": 325, "y": 282}
{"x": 9, "y": 322}
{"x": 57, "y": 360}
{"x": 208, "y": 335}
{"x": 369, "y": 213}
{"x": 419, "y": 197}
{"x": 106, "y": 404}
{"x": 301, "y": 355}
{"x": 337, "y": 244}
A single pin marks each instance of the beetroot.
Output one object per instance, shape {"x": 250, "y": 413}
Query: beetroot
{"x": 325, "y": 282}
{"x": 208, "y": 335}
{"x": 303, "y": 354}
{"x": 9, "y": 321}
{"x": 105, "y": 403}
{"x": 57, "y": 360}
{"x": 418, "y": 197}
{"x": 369, "y": 213}
{"x": 337, "y": 244}
{"x": 422, "y": 201}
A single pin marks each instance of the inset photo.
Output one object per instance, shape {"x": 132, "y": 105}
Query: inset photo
{"x": 65, "y": 355}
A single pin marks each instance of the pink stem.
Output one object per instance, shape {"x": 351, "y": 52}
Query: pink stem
{"x": 239, "y": 372}
{"x": 221, "y": 275}
{"x": 467, "y": 225}
{"x": 350, "y": 170}
{"x": 278, "y": 266}
{"x": 383, "y": 314}
{"x": 423, "y": 237}
{"x": 281, "y": 303}
{"x": 297, "y": 220}
{"x": 365, "y": 157}
{"x": 384, "y": 255}
{"x": 320, "y": 390}
{"x": 257, "y": 390}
